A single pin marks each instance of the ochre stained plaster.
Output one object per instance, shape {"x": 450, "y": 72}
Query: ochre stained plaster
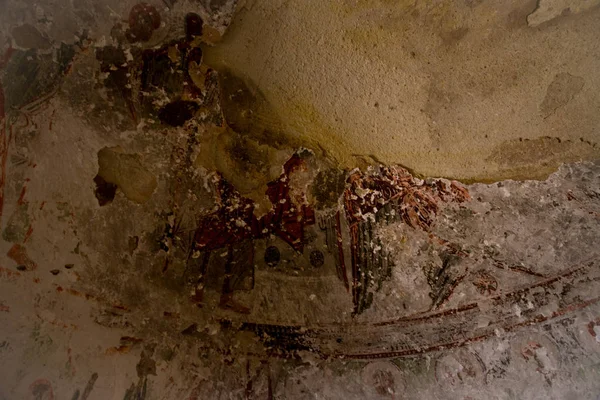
{"x": 466, "y": 90}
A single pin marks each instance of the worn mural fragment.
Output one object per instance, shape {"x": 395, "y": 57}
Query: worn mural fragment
{"x": 217, "y": 255}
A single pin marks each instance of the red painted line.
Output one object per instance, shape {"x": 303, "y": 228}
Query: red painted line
{"x": 459, "y": 343}
{"x": 28, "y": 234}
{"x": 340, "y": 245}
{"x": 21, "y": 199}
{"x": 470, "y": 306}
{"x": 418, "y": 318}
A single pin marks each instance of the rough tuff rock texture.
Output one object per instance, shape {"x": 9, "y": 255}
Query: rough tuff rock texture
{"x": 547, "y": 10}
{"x": 168, "y": 232}
{"x": 436, "y": 86}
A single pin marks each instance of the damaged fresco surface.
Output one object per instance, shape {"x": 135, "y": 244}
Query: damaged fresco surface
{"x": 160, "y": 239}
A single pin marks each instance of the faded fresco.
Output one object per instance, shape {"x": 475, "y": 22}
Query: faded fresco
{"x": 165, "y": 236}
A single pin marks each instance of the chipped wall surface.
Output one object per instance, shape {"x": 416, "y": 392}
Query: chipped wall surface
{"x": 197, "y": 203}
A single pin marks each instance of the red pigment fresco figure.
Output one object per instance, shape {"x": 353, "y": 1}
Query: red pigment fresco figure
{"x": 162, "y": 73}
{"x": 233, "y": 226}
{"x": 418, "y": 204}
{"x": 144, "y": 19}
{"x": 164, "y": 69}
{"x": 291, "y": 212}
{"x": 413, "y": 202}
